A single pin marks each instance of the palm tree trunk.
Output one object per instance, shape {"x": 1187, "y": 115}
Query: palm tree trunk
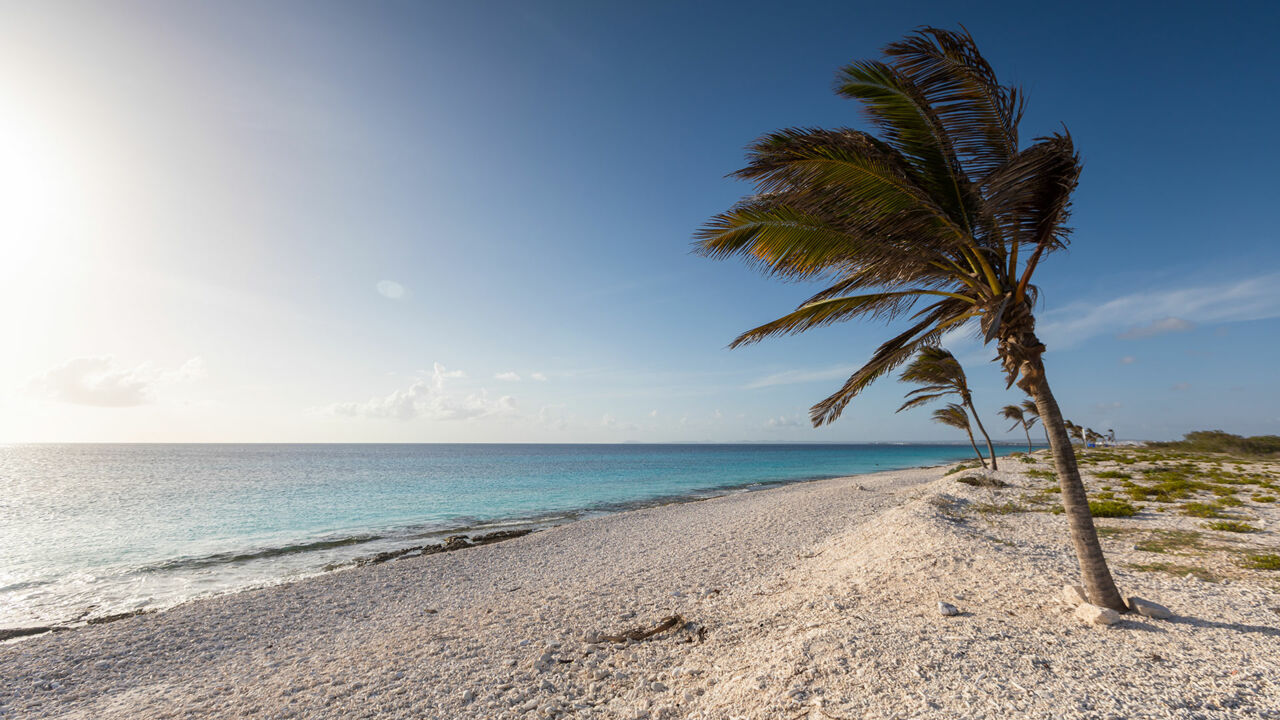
{"x": 1098, "y": 582}
{"x": 1028, "y": 432}
{"x": 974, "y": 445}
{"x": 990, "y": 450}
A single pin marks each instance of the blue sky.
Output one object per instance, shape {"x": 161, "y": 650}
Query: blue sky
{"x": 471, "y": 221}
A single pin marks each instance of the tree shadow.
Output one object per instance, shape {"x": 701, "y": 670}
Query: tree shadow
{"x": 1237, "y": 627}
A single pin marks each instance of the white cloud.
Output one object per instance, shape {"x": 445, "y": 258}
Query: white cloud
{"x": 548, "y": 416}
{"x": 507, "y": 376}
{"x": 99, "y": 382}
{"x": 1157, "y": 327}
{"x": 791, "y": 377}
{"x": 784, "y": 421}
{"x": 1256, "y": 298}
{"x": 428, "y": 397}
{"x": 391, "y": 289}
{"x": 612, "y": 423}
{"x": 538, "y": 376}
{"x": 653, "y": 413}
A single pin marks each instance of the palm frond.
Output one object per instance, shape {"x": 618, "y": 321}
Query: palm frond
{"x": 979, "y": 115}
{"x": 952, "y": 415}
{"x": 1014, "y": 413}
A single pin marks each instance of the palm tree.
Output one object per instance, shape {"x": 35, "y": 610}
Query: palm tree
{"x": 955, "y": 416}
{"x": 947, "y": 208}
{"x": 1033, "y": 414}
{"x": 1018, "y": 415}
{"x": 1076, "y": 431}
{"x": 940, "y": 374}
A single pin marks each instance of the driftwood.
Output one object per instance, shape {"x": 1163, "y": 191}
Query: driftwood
{"x": 668, "y": 623}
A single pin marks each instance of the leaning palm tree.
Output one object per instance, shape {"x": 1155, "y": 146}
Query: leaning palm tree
{"x": 947, "y": 208}
{"x": 939, "y": 374}
{"x": 1018, "y": 415}
{"x": 955, "y": 416}
{"x": 1075, "y": 431}
{"x": 1033, "y": 414}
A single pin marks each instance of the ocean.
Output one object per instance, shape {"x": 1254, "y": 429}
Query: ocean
{"x": 88, "y": 531}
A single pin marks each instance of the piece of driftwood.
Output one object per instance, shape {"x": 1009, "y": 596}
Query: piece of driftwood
{"x": 670, "y": 622}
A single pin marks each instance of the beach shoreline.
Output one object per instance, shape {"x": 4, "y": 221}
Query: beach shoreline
{"x": 811, "y": 597}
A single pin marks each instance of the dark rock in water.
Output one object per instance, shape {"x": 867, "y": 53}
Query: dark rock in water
{"x": 456, "y": 542}
{"x": 499, "y": 536}
{"x": 118, "y": 616}
{"x": 451, "y": 543}
{"x": 11, "y": 633}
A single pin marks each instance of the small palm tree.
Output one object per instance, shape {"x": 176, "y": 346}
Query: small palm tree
{"x": 955, "y": 416}
{"x": 1076, "y": 431}
{"x": 946, "y": 208}
{"x": 1018, "y": 415}
{"x": 940, "y": 375}
{"x": 1033, "y": 414}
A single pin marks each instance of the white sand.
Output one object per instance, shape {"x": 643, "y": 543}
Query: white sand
{"x": 818, "y": 600}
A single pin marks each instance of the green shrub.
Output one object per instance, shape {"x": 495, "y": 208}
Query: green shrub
{"x": 1112, "y": 474}
{"x": 1111, "y": 508}
{"x": 1044, "y": 474}
{"x": 1264, "y": 561}
{"x": 1234, "y": 526}
{"x": 1217, "y": 441}
{"x": 982, "y": 481}
{"x": 1264, "y": 498}
{"x": 1204, "y": 510}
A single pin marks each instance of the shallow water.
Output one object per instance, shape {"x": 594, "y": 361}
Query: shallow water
{"x": 93, "y": 530}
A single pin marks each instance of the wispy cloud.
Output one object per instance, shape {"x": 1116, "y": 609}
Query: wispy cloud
{"x": 1158, "y": 327}
{"x": 791, "y": 377}
{"x": 428, "y": 397}
{"x": 538, "y": 376}
{"x": 100, "y": 382}
{"x": 783, "y": 421}
{"x": 507, "y": 376}
{"x": 609, "y": 422}
{"x": 391, "y": 289}
{"x": 1144, "y": 314}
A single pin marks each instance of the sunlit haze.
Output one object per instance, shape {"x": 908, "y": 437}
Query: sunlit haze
{"x": 471, "y": 222}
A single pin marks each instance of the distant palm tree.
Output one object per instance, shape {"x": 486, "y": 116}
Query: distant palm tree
{"x": 1076, "y": 431}
{"x": 1018, "y": 415}
{"x": 955, "y": 416}
{"x": 1033, "y": 414}
{"x": 940, "y": 374}
{"x": 945, "y": 208}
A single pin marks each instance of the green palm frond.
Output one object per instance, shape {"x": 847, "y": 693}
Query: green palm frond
{"x": 941, "y": 219}
{"x": 1014, "y": 413}
{"x": 952, "y": 415}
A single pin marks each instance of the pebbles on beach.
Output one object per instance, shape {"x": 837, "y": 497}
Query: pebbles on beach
{"x": 815, "y": 599}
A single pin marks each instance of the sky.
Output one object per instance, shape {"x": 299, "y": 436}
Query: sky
{"x": 472, "y": 222}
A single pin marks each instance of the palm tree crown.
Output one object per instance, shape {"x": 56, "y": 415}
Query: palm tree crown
{"x": 939, "y": 374}
{"x": 953, "y": 415}
{"x": 940, "y": 221}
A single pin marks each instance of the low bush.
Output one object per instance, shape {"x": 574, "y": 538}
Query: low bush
{"x": 1263, "y": 561}
{"x": 1111, "y": 508}
{"x": 1234, "y": 526}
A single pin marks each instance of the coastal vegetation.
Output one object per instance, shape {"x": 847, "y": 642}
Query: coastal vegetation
{"x": 1217, "y": 441}
{"x": 952, "y": 415}
{"x": 1020, "y": 416}
{"x": 946, "y": 207}
{"x": 940, "y": 375}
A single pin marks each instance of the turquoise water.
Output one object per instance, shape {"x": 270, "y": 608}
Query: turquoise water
{"x": 92, "y": 530}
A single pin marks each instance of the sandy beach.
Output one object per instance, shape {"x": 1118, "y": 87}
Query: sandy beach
{"x": 818, "y": 600}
